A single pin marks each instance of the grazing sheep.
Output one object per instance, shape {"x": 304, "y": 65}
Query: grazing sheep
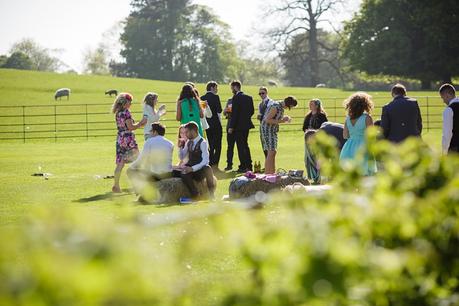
{"x": 62, "y": 92}
{"x": 111, "y": 92}
{"x": 172, "y": 189}
{"x": 272, "y": 83}
{"x": 251, "y": 187}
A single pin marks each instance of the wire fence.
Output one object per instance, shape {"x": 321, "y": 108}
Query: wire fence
{"x": 88, "y": 121}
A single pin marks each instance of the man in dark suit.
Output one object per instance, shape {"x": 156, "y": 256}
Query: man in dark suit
{"x": 214, "y": 132}
{"x": 401, "y": 118}
{"x": 240, "y": 124}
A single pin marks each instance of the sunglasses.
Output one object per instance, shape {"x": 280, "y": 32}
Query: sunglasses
{"x": 262, "y": 93}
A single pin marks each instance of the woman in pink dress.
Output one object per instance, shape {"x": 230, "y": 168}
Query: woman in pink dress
{"x": 126, "y": 146}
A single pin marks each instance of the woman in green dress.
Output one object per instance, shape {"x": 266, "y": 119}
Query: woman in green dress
{"x": 189, "y": 108}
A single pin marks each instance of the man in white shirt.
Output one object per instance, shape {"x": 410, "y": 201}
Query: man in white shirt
{"x": 450, "y": 137}
{"x": 263, "y": 109}
{"x": 154, "y": 162}
{"x": 197, "y": 167}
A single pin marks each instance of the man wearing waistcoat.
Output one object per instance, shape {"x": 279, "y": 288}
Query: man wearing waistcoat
{"x": 450, "y": 137}
{"x": 401, "y": 118}
{"x": 197, "y": 167}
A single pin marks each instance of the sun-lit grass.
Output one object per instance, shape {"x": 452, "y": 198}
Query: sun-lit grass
{"x": 76, "y": 163}
{"x": 79, "y": 240}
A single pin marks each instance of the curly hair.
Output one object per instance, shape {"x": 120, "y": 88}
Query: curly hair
{"x": 357, "y": 104}
{"x": 120, "y": 101}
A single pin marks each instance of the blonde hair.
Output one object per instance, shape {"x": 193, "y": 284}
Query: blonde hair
{"x": 121, "y": 100}
{"x": 357, "y": 104}
{"x": 150, "y": 99}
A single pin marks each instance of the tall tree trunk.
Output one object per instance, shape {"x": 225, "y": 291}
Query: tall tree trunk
{"x": 313, "y": 47}
{"x": 425, "y": 84}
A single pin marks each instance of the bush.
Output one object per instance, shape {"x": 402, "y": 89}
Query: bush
{"x": 392, "y": 239}
{"x": 363, "y": 81}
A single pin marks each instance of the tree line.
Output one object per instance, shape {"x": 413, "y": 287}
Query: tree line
{"x": 177, "y": 40}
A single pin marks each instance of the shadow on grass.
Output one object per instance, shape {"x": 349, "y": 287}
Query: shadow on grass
{"x": 225, "y": 175}
{"x": 105, "y": 196}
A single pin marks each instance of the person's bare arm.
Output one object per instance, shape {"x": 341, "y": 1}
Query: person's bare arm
{"x": 270, "y": 117}
{"x": 178, "y": 115}
{"x": 133, "y": 126}
{"x": 368, "y": 121}
{"x": 345, "y": 131}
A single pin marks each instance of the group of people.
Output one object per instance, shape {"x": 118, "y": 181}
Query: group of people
{"x": 154, "y": 163}
{"x": 199, "y": 157}
{"x": 400, "y": 119}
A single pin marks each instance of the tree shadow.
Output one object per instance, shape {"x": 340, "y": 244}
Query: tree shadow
{"x": 225, "y": 175}
{"x": 105, "y": 196}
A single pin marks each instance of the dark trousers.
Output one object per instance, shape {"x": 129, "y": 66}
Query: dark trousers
{"x": 243, "y": 150}
{"x": 135, "y": 175}
{"x": 214, "y": 138}
{"x": 204, "y": 173}
{"x": 231, "y": 140}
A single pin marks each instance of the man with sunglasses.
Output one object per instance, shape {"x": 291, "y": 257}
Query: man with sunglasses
{"x": 262, "y": 108}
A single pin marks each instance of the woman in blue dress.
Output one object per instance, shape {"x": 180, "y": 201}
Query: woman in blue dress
{"x": 358, "y": 106}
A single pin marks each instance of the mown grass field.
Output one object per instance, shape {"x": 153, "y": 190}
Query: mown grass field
{"x": 28, "y": 109}
{"x": 77, "y": 164}
{"x": 76, "y": 199}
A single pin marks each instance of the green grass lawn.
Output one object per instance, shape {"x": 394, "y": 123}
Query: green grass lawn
{"x": 76, "y": 163}
{"x": 76, "y": 200}
{"x": 87, "y": 113}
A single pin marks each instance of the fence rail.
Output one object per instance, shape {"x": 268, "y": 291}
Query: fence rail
{"x": 87, "y": 121}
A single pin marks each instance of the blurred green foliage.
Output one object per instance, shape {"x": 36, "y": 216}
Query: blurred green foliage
{"x": 391, "y": 239}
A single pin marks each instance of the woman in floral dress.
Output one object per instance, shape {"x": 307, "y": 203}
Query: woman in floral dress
{"x": 270, "y": 127}
{"x": 126, "y": 146}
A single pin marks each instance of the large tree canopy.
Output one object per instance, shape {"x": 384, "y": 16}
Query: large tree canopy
{"x": 40, "y": 58}
{"x": 415, "y": 39}
{"x": 175, "y": 40}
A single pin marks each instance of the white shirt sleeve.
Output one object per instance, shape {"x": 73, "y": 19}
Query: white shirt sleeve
{"x": 138, "y": 163}
{"x": 447, "y": 129}
{"x": 205, "y": 157}
{"x": 208, "y": 112}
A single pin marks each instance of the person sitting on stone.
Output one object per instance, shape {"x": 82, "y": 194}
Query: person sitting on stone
{"x": 196, "y": 150}
{"x": 154, "y": 162}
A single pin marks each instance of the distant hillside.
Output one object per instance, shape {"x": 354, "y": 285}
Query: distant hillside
{"x": 19, "y": 87}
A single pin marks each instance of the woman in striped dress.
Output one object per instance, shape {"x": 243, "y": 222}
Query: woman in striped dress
{"x": 270, "y": 127}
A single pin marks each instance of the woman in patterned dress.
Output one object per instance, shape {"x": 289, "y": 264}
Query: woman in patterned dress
{"x": 126, "y": 146}
{"x": 270, "y": 127}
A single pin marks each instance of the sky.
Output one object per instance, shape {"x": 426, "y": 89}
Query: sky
{"x": 72, "y": 27}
